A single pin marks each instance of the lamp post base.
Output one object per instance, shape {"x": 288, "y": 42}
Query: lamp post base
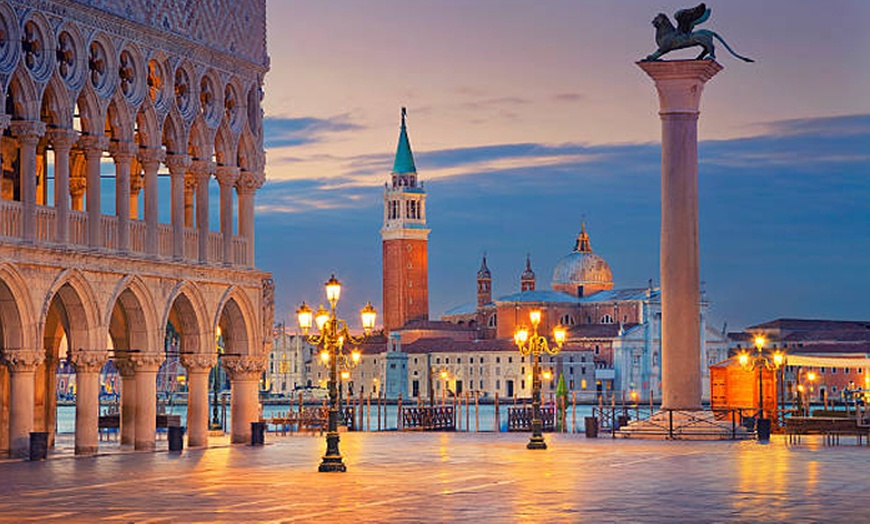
{"x": 536, "y": 442}
{"x": 332, "y": 462}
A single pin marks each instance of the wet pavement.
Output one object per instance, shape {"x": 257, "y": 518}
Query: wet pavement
{"x": 483, "y": 477}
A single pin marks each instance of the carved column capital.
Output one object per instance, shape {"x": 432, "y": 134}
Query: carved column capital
{"x": 4, "y": 121}
{"x": 125, "y": 367}
{"x": 22, "y": 360}
{"x": 88, "y": 361}
{"x": 250, "y": 182}
{"x": 147, "y": 362}
{"x": 177, "y": 164}
{"x": 77, "y": 185}
{"x": 61, "y": 138}
{"x": 227, "y": 175}
{"x": 27, "y": 131}
{"x": 122, "y": 151}
{"x": 151, "y": 158}
{"x": 199, "y": 362}
{"x": 246, "y": 367}
{"x": 93, "y": 145}
{"x": 202, "y": 169}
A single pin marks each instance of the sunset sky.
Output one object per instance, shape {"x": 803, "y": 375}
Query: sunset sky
{"x": 527, "y": 117}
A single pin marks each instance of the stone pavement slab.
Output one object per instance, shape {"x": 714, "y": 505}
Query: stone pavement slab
{"x": 418, "y": 477}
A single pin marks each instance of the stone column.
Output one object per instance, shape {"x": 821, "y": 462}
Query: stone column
{"x": 202, "y": 170}
{"x": 4, "y": 123}
{"x": 247, "y": 187}
{"x": 28, "y": 134}
{"x": 146, "y": 366}
{"x": 227, "y": 177}
{"x": 151, "y": 159}
{"x": 88, "y": 365}
{"x": 178, "y": 165}
{"x": 189, "y": 191}
{"x": 127, "y": 371}
{"x": 137, "y": 182}
{"x": 22, "y": 365}
{"x": 61, "y": 141}
{"x": 244, "y": 373}
{"x": 680, "y": 84}
{"x": 198, "y": 367}
{"x": 123, "y": 153}
{"x": 93, "y": 147}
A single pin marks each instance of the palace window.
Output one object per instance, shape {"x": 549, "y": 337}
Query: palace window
{"x": 607, "y": 319}
{"x": 567, "y": 320}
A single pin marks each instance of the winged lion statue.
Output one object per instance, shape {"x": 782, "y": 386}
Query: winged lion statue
{"x": 670, "y": 38}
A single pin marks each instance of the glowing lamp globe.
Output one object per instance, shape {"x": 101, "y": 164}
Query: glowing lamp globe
{"x": 368, "y": 314}
{"x": 535, "y": 316}
{"x": 321, "y": 317}
{"x": 303, "y": 317}
{"x": 333, "y": 290}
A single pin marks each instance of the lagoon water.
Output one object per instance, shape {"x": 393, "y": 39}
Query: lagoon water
{"x": 483, "y": 421}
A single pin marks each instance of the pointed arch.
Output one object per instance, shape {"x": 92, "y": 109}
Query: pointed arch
{"x": 119, "y": 120}
{"x": 25, "y": 95}
{"x": 148, "y": 128}
{"x": 79, "y": 306}
{"x": 246, "y": 156}
{"x": 200, "y": 140}
{"x": 131, "y": 317}
{"x": 225, "y": 145}
{"x": 57, "y": 104}
{"x": 186, "y": 309}
{"x": 91, "y": 110}
{"x": 16, "y": 318}
{"x": 235, "y": 316}
{"x": 174, "y": 136}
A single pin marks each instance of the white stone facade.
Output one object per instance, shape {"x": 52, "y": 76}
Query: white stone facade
{"x": 149, "y": 88}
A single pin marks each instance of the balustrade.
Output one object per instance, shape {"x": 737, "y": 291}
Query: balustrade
{"x": 11, "y": 229}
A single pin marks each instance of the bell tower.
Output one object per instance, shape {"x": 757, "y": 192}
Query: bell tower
{"x": 405, "y": 240}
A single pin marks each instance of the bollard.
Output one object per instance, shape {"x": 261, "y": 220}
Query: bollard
{"x": 762, "y": 429}
{"x": 258, "y": 433}
{"x": 176, "y": 438}
{"x": 591, "y": 427}
{"x": 38, "y": 445}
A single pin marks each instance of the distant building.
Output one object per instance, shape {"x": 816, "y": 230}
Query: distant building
{"x": 837, "y": 352}
{"x": 291, "y": 354}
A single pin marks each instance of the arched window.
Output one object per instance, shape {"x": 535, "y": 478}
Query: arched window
{"x": 493, "y": 321}
{"x": 607, "y": 319}
{"x": 567, "y": 320}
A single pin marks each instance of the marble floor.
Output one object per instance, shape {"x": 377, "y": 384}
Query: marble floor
{"x": 472, "y": 477}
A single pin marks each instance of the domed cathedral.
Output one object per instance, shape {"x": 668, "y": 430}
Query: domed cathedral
{"x": 617, "y": 331}
{"x": 582, "y": 272}
{"x": 102, "y": 99}
{"x": 405, "y": 239}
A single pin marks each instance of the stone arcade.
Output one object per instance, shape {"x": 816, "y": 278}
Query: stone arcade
{"x": 151, "y": 89}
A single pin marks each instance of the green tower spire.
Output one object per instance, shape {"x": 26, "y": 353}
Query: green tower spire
{"x": 404, "y": 158}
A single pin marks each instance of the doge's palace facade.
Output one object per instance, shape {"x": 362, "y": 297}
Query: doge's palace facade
{"x": 101, "y": 99}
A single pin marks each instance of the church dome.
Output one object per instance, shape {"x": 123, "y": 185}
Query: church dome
{"x": 582, "y": 272}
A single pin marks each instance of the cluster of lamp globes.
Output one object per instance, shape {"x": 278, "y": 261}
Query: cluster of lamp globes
{"x": 774, "y": 362}
{"x": 329, "y": 326}
{"x": 522, "y": 334}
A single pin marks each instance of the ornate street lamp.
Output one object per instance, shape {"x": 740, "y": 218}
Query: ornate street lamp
{"x": 760, "y": 361}
{"x": 332, "y": 335}
{"x": 534, "y": 344}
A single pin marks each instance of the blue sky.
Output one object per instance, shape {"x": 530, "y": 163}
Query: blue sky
{"x": 524, "y": 123}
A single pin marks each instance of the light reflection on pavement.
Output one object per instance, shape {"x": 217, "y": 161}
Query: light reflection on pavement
{"x": 437, "y": 477}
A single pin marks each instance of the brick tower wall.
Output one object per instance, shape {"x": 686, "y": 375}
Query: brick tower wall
{"x": 406, "y": 282}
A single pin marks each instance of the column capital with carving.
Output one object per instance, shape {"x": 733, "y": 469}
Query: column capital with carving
{"x": 27, "y": 131}
{"x": 151, "y": 156}
{"x": 202, "y": 168}
{"x": 227, "y": 175}
{"x": 121, "y": 151}
{"x": 125, "y": 367}
{"x": 22, "y": 360}
{"x": 247, "y": 367}
{"x": 93, "y": 145}
{"x": 77, "y": 184}
{"x": 61, "y": 138}
{"x": 4, "y": 121}
{"x": 147, "y": 362}
{"x": 250, "y": 182}
{"x": 177, "y": 164}
{"x": 88, "y": 361}
{"x": 199, "y": 362}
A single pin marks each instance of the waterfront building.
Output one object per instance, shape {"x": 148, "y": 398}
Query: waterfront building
{"x": 290, "y": 357}
{"x": 104, "y": 101}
